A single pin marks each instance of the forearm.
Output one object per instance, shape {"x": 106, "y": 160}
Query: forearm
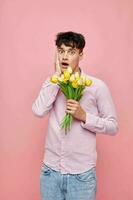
{"x": 44, "y": 102}
{"x": 98, "y": 124}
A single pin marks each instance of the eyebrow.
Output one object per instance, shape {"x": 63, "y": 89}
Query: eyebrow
{"x": 68, "y": 49}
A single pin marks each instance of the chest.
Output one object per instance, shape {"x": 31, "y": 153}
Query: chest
{"x": 88, "y": 102}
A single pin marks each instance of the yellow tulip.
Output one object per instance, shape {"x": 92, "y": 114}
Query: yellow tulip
{"x": 72, "y": 78}
{"x": 74, "y": 84}
{"x": 62, "y": 76}
{"x": 54, "y": 78}
{"x": 69, "y": 69}
{"x": 88, "y": 82}
{"x": 60, "y": 79}
{"x": 80, "y": 82}
{"x": 66, "y": 75}
{"x": 77, "y": 75}
{"x": 83, "y": 80}
{"x": 65, "y": 80}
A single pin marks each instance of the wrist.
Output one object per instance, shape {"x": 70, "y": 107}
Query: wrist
{"x": 83, "y": 117}
{"x": 57, "y": 73}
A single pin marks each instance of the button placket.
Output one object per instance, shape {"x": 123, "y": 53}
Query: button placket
{"x": 62, "y": 162}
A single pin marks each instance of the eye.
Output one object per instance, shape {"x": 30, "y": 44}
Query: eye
{"x": 60, "y": 51}
{"x": 72, "y": 52}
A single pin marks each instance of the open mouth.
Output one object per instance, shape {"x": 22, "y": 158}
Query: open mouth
{"x": 64, "y": 64}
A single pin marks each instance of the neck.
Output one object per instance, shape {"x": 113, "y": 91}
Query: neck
{"x": 77, "y": 70}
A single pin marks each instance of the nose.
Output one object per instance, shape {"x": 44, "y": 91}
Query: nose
{"x": 65, "y": 55}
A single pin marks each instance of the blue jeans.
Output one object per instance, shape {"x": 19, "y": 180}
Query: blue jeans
{"x": 57, "y": 186}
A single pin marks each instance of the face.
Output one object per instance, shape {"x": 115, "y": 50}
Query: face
{"x": 69, "y": 56}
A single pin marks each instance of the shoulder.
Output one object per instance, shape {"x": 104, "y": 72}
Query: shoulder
{"x": 99, "y": 87}
{"x": 97, "y": 83}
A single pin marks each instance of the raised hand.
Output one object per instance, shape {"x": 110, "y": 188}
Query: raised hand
{"x": 57, "y": 65}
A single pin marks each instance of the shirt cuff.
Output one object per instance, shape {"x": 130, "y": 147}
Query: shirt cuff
{"x": 49, "y": 83}
{"x": 90, "y": 121}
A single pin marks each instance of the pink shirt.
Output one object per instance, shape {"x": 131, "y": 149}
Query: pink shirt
{"x": 75, "y": 152}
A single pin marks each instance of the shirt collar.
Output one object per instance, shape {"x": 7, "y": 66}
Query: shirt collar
{"x": 81, "y": 72}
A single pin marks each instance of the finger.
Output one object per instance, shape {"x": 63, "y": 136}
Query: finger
{"x": 71, "y": 108}
{"x": 70, "y": 111}
{"x": 57, "y": 64}
{"x": 55, "y": 59}
{"x": 55, "y": 56}
{"x": 72, "y": 101}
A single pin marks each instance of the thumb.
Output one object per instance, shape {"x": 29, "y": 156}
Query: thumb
{"x": 57, "y": 64}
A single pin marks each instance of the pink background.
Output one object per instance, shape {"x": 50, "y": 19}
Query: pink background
{"x": 27, "y": 34}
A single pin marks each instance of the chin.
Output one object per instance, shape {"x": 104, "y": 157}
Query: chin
{"x": 63, "y": 69}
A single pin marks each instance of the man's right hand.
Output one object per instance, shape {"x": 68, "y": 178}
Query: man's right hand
{"x": 57, "y": 65}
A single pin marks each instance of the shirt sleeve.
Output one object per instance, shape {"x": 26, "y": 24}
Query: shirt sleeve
{"x": 106, "y": 122}
{"x": 45, "y": 99}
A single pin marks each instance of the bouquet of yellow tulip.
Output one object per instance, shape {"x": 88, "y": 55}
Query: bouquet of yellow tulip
{"x": 72, "y": 86}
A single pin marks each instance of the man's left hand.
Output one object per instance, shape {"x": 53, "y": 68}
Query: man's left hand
{"x": 74, "y": 108}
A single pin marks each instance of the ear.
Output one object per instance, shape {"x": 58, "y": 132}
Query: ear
{"x": 81, "y": 55}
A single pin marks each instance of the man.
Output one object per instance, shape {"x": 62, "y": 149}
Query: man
{"x": 68, "y": 170}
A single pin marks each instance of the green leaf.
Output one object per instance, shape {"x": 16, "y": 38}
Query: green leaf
{"x": 70, "y": 92}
